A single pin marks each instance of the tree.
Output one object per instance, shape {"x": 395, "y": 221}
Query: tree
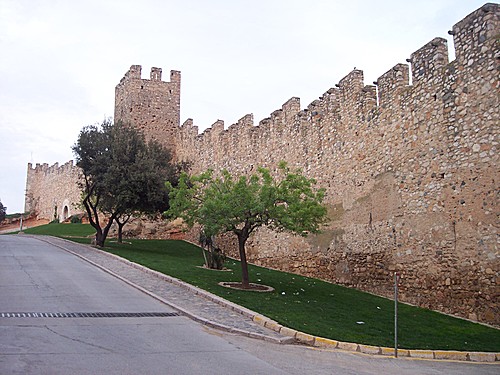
{"x": 213, "y": 256}
{"x": 225, "y": 204}
{"x": 122, "y": 175}
{"x": 3, "y": 212}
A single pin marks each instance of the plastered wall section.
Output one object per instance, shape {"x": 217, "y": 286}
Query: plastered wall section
{"x": 411, "y": 172}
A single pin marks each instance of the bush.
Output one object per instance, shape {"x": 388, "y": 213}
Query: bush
{"x": 75, "y": 219}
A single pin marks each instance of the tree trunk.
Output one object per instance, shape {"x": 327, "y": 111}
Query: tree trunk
{"x": 106, "y": 229}
{"x": 121, "y": 224}
{"x": 94, "y": 221}
{"x": 242, "y": 238}
{"x": 99, "y": 238}
{"x": 120, "y": 231}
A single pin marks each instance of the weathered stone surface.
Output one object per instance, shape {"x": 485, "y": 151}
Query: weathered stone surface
{"x": 305, "y": 338}
{"x": 325, "y": 343}
{"x": 352, "y": 347}
{"x": 451, "y": 355}
{"x": 288, "y": 332}
{"x": 368, "y": 349}
{"x": 427, "y": 354}
{"x": 482, "y": 357}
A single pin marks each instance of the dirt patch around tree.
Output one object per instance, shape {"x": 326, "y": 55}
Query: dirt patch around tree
{"x": 252, "y": 287}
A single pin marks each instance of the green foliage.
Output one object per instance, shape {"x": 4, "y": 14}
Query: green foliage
{"x": 122, "y": 174}
{"x": 75, "y": 219}
{"x": 3, "y": 212}
{"x": 224, "y": 204}
{"x": 16, "y": 215}
{"x": 241, "y": 205}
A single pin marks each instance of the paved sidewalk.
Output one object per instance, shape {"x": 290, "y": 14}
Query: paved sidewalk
{"x": 198, "y": 304}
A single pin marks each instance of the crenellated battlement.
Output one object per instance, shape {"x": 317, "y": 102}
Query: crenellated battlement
{"x": 479, "y": 29}
{"x": 53, "y": 169}
{"x": 353, "y": 99}
{"x": 428, "y": 61}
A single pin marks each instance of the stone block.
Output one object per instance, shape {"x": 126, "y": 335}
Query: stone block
{"x": 427, "y": 354}
{"x": 305, "y": 338}
{"x": 325, "y": 343}
{"x": 288, "y": 332}
{"x": 350, "y": 346}
{"x": 482, "y": 357}
{"x": 369, "y": 349}
{"x": 450, "y": 355}
{"x": 271, "y": 324}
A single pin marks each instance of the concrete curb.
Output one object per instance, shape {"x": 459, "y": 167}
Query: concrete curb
{"x": 293, "y": 335}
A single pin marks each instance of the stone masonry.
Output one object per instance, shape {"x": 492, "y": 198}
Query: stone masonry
{"x": 52, "y": 192}
{"x": 410, "y": 168}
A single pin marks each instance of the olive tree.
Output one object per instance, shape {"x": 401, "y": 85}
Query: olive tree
{"x": 122, "y": 175}
{"x": 240, "y": 205}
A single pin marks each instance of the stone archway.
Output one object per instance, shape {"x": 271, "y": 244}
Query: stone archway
{"x": 65, "y": 214}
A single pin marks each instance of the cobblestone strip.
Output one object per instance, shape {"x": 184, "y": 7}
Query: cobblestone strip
{"x": 197, "y": 304}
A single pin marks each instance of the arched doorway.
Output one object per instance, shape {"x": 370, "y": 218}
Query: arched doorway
{"x": 65, "y": 214}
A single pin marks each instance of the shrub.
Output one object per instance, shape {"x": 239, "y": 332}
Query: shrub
{"x": 76, "y": 219}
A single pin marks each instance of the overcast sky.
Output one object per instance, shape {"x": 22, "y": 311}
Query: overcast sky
{"x": 61, "y": 60}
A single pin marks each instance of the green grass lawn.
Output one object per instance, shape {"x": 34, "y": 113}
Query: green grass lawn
{"x": 62, "y": 230}
{"x": 306, "y": 304}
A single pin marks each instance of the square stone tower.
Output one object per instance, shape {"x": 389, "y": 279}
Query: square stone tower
{"x": 150, "y": 105}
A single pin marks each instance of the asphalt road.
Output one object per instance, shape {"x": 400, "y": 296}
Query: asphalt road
{"x": 36, "y": 277}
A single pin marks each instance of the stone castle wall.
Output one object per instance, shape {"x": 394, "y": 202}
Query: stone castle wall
{"x": 53, "y": 190}
{"x": 410, "y": 168}
{"x": 411, "y": 172}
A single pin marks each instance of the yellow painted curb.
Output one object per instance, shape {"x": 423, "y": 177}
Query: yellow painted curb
{"x": 388, "y": 351}
{"x": 369, "y": 349}
{"x": 427, "y": 354}
{"x": 325, "y": 343}
{"x": 288, "y": 332}
{"x": 260, "y": 320}
{"x": 482, "y": 357}
{"x": 353, "y": 347}
{"x": 451, "y": 355}
{"x": 305, "y": 338}
{"x": 272, "y": 325}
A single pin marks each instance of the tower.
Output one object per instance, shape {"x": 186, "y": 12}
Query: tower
{"x": 150, "y": 105}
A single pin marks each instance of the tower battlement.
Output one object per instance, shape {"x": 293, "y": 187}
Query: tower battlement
{"x": 151, "y": 105}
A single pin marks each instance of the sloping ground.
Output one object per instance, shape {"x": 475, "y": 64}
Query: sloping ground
{"x": 27, "y": 223}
